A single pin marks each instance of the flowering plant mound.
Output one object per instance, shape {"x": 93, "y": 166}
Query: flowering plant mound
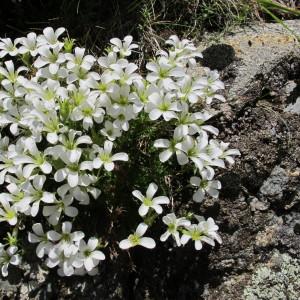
{"x": 67, "y": 120}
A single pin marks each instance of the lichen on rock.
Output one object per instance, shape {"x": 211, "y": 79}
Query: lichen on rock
{"x": 279, "y": 279}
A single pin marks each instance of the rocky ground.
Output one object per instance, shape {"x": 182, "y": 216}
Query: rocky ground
{"x": 259, "y": 208}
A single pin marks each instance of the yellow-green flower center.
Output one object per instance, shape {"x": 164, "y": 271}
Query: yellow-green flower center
{"x": 134, "y": 239}
{"x": 147, "y": 201}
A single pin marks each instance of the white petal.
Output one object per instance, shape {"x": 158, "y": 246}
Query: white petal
{"x": 155, "y": 114}
{"x": 38, "y": 229}
{"x": 158, "y": 209}
{"x": 88, "y": 264}
{"x": 125, "y": 244}
{"x": 98, "y": 255}
{"x": 46, "y": 168}
{"x": 15, "y": 260}
{"x": 4, "y": 269}
{"x": 141, "y": 229}
{"x": 53, "y": 68}
{"x": 161, "y": 200}
{"x": 198, "y": 196}
{"x": 165, "y": 236}
{"x": 71, "y": 211}
{"x": 120, "y": 156}
{"x": 161, "y": 143}
{"x": 208, "y": 241}
{"x": 92, "y": 243}
{"x": 73, "y": 179}
{"x": 137, "y": 194}
{"x": 52, "y": 137}
{"x": 181, "y": 158}
{"x": 60, "y": 175}
{"x": 77, "y": 236}
{"x": 198, "y": 245}
{"x": 48, "y": 197}
{"x": 143, "y": 210}
{"x": 27, "y": 170}
{"x": 32, "y": 238}
{"x": 147, "y": 242}
{"x": 97, "y": 163}
{"x": 195, "y": 181}
{"x": 152, "y": 188}
{"x": 40, "y": 250}
{"x": 53, "y": 235}
{"x": 109, "y": 166}
{"x": 165, "y": 155}
{"x": 66, "y": 227}
{"x": 184, "y": 239}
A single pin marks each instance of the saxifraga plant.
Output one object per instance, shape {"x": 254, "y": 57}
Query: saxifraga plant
{"x": 66, "y": 119}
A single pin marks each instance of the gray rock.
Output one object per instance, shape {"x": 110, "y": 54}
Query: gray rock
{"x": 259, "y": 58}
{"x": 273, "y": 187}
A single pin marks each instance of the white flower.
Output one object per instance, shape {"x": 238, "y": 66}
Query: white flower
{"x": 210, "y": 229}
{"x": 205, "y": 185}
{"x": 140, "y": 96}
{"x": 67, "y": 242}
{"x": 50, "y": 37}
{"x": 8, "y": 47}
{"x": 189, "y": 89}
{"x": 89, "y": 111}
{"x": 80, "y": 193}
{"x": 127, "y": 75}
{"x": 150, "y": 202}
{"x": 34, "y": 159}
{"x": 7, "y": 257}
{"x": 205, "y": 231}
{"x": 161, "y": 73}
{"x": 105, "y": 158}
{"x": 197, "y": 124}
{"x": 65, "y": 263}
{"x": 165, "y": 106}
{"x": 29, "y": 44}
{"x": 69, "y": 148}
{"x": 111, "y": 131}
{"x": 7, "y": 165}
{"x": 195, "y": 150}
{"x": 36, "y": 193}
{"x": 170, "y": 147}
{"x": 8, "y": 213}
{"x": 121, "y": 115}
{"x": 54, "y": 211}
{"x": 196, "y": 234}
{"x": 75, "y": 173}
{"x": 10, "y": 73}
{"x": 51, "y": 123}
{"x": 51, "y": 57}
{"x": 137, "y": 238}
{"x": 123, "y": 48}
{"x": 21, "y": 202}
{"x": 173, "y": 223}
{"x": 39, "y": 236}
{"x": 210, "y": 84}
{"x": 79, "y": 60}
{"x": 228, "y": 153}
{"x": 88, "y": 255}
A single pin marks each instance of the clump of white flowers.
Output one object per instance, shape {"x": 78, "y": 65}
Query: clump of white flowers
{"x": 62, "y": 112}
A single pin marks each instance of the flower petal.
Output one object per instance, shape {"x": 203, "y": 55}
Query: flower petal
{"x": 152, "y": 188}
{"x": 147, "y": 242}
{"x": 125, "y": 244}
{"x": 141, "y": 229}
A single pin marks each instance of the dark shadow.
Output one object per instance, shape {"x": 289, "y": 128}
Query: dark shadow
{"x": 218, "y": 56}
